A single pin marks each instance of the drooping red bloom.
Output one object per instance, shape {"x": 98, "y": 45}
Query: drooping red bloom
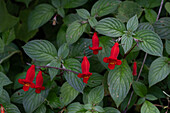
{"x": 28, "y": 81}
{"x": 39, "y": 83}
{"x": 134, "y": 69}
{"x": 95, "y": 43}
{"x": 2, "y": 109}
{"x": 85, "y": 66}
{"x": 112, "y": 60}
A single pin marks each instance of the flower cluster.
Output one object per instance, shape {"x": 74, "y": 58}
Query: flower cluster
{"x": 112, "y": 60}
{"x": 28, "y": 81}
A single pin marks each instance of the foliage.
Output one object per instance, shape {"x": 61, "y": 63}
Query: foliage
{"x": 55, "y": 35}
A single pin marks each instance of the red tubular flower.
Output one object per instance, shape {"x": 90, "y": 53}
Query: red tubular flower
{"x": 2, "y": 109}
{"x": 95, "y": 43}
{"x": 28, "y": 81}
{"x": 85, "y": 66}
{"x": 134, "y": 69}
{"x": 39, "y": 83}
{"x": 112, "y": 60}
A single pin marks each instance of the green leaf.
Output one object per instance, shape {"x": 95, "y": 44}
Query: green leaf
{"x": 17, "y": 97}
{"x": 61, "y": 35}
{"x": 63, "y": 51}
{"x": 104, "y": 7}
{"x": 132, "y": 23}
{"x": 96, "y": 95}
{"x": 119, "y": 81}
{"x": 56, "y": 3}
{"x": 150, "y": 15}
{"x": 88, "y": 106}
{"x": 110, "y": 27}
{"x": 106, "y": 44}
{"x": 21, "y": 29}
{"x": 99, "y": 109}
{"x": 4, "y": 97}
{"x": 8, "y": 36}
{"x": 40, "y": 50}
{"x": 6, "y": 21}
{"x": 25, "y": 1}
{"x": 83, "y": 13}
{"x": 61, "y": 12}
{"x": 72, "y": 3}
{"x": 151, "y": 42}
{"x": 145, "y": 26}
{"x": 11, "y": 108}
{"x": 141, "y": 101}
{"x": 95, "y": 80}
{"x": 126, "y": 42}
{"x": 4, "y": 80}
{"x": 1, "y": 46}
{"x": 159, "y": 70}
{"x": 149, "y": 3}
{"x": 9, "y": 50}
{"x": 72, "y": 79}
{"x": 74, "y": 31}
{"x": 40, "y": 15}
{"x": 68, "y": 93}
{"x": 69, "y": 19}
{"x": 139, "y": 88}
{"x": 32, "y": 100}
{"x": 92, "y": 21}
{"x": 111, "y": 110}
{"x": 167, "y": 46}
{"x": 133, "y": 9}
{"x": 162, "y": 27}
{"x": 151, "y": 97}
{"x": 54, "y": 72}
{"x": 167, "y": 7}
{"x": 148, "y": 107}
{"x": 75, "y": 107}
{"x": 41, "y": 109}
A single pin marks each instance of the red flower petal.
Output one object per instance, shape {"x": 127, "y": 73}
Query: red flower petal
{"x": 106, "y": 59}
{"x": 39, "y": 79}
{"x": 30, "y": 74}
{"x": 134, "y": 69}
{"x": 115, "y": 50}
{"x": 100, "y": 48}
{"x": 38, "y": 90}
{"x": 20, "y": 81}
{"x": 25, "y": 88}
{"x": 111, "y": 66}
{"x": 85, "y": 65}
{"x": 85, "y": 80}
{"x": 80, "y": 75}
{"x": 95, "y": 52}
{"x": 95, "y": 40}
{"x": 118, "y": 62}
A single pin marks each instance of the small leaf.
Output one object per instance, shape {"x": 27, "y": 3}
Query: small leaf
{"x": 162, "y": 27}
{"x": 63, "y": 51}
{"x": 145, "y": 26}
{"x": 150, "y": 15}
{"x": 68, "y": 93}
{"x": 40, "y": 50}
{"x": 104, "y": 7}
{"x": 56, "y": 3}
{"x": 83, "y": 13}
{"x": 151, "y": 97}
{"x": 132, "y": 24}
{"x": 159, "y": 70}
{"x": 149, "y": 3}
{"x": 110, "y": 27}
{"x": 167, "y": 7}
{"x": 148, "y": 107}
{"x": 151, "y": 42}
{"x": 72, "y": 3}
{"x": 139, "y": 88}
{"x": 99, "y": 109}
{"x": 11, "y": 108}
{"x": 74, "y": 31}
{"x": 69, "y": 19}
{"x": 41, "y": 109}
{"x": 8, "y": 36}
{"x": 92, "y": 21}
{"x": 95, "y": 80}
{"x": 111, "y": 110}
{"x": 167, "y": 46}
{"x": 75, "y": 107}
{"x": 4, "y": 97}
{"x": 88, "y": 106}
{"x": 61, "y": 35}
{"x": 4, "y": 80}
{"x": 126, "y": 42}
{"x": 72, "y": 79}
{"x": 40, "y": 15}
{"x": 96, "y": 95}
{"x": 54, "y": 100}
{"x": 119, "y": 81}
{"x": 61, "y": 12}
{"x": 141, "y": 101}
{"x": 54, "y": 72}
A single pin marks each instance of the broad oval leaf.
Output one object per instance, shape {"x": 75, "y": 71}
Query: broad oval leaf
{"x": 145, "y": 26}
{"x": 148, "y": 107}
{"x": 96, "y": 95}
{"x": 63, "y": 51}
{"x": 110, "y": 27}
{"x": 151, "y": 42}
{"x": 111, "y": 110}
{"x": 72, "y": 79}
{"x": 32, "y": 100}
{"x": 75, "y": 107}
{"x": 167, "y": 7}
{"x": 159, "y": 70}
{"x": 40, "y": 50}
{"x": 4, "y": 80}
{"x": 162, "y": 27}
{"x": 119, "y": 81}
{"x": 54, "y": 72}
{"x": 72, "y": 3}
{"x": 41, "y": 109}
{"x": 149, "y": 3}
{"x": 139, "y": 88}
{"x": 83, "y": 13}
{"x": 132, "y": 23}
{"x": 8, "y": 36}
{"x": 74, "y": 31}
{"x": 95, "y": 80}
{"x": 167, "y": 46}
{"x": 17, "y": 97}
{"x": 40, "y": 15}
{"x": 150, "y": 15}
{"x": 4, "y": 97}
{"x": 11, "y": 108}
{"x": 68, "y": 93}
{"x": 104, "y": 7}
{"x": 126, "y": 42}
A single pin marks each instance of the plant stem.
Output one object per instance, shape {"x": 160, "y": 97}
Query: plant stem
{"x": 129, "y": 51}
{"x": 55, "y": 68}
